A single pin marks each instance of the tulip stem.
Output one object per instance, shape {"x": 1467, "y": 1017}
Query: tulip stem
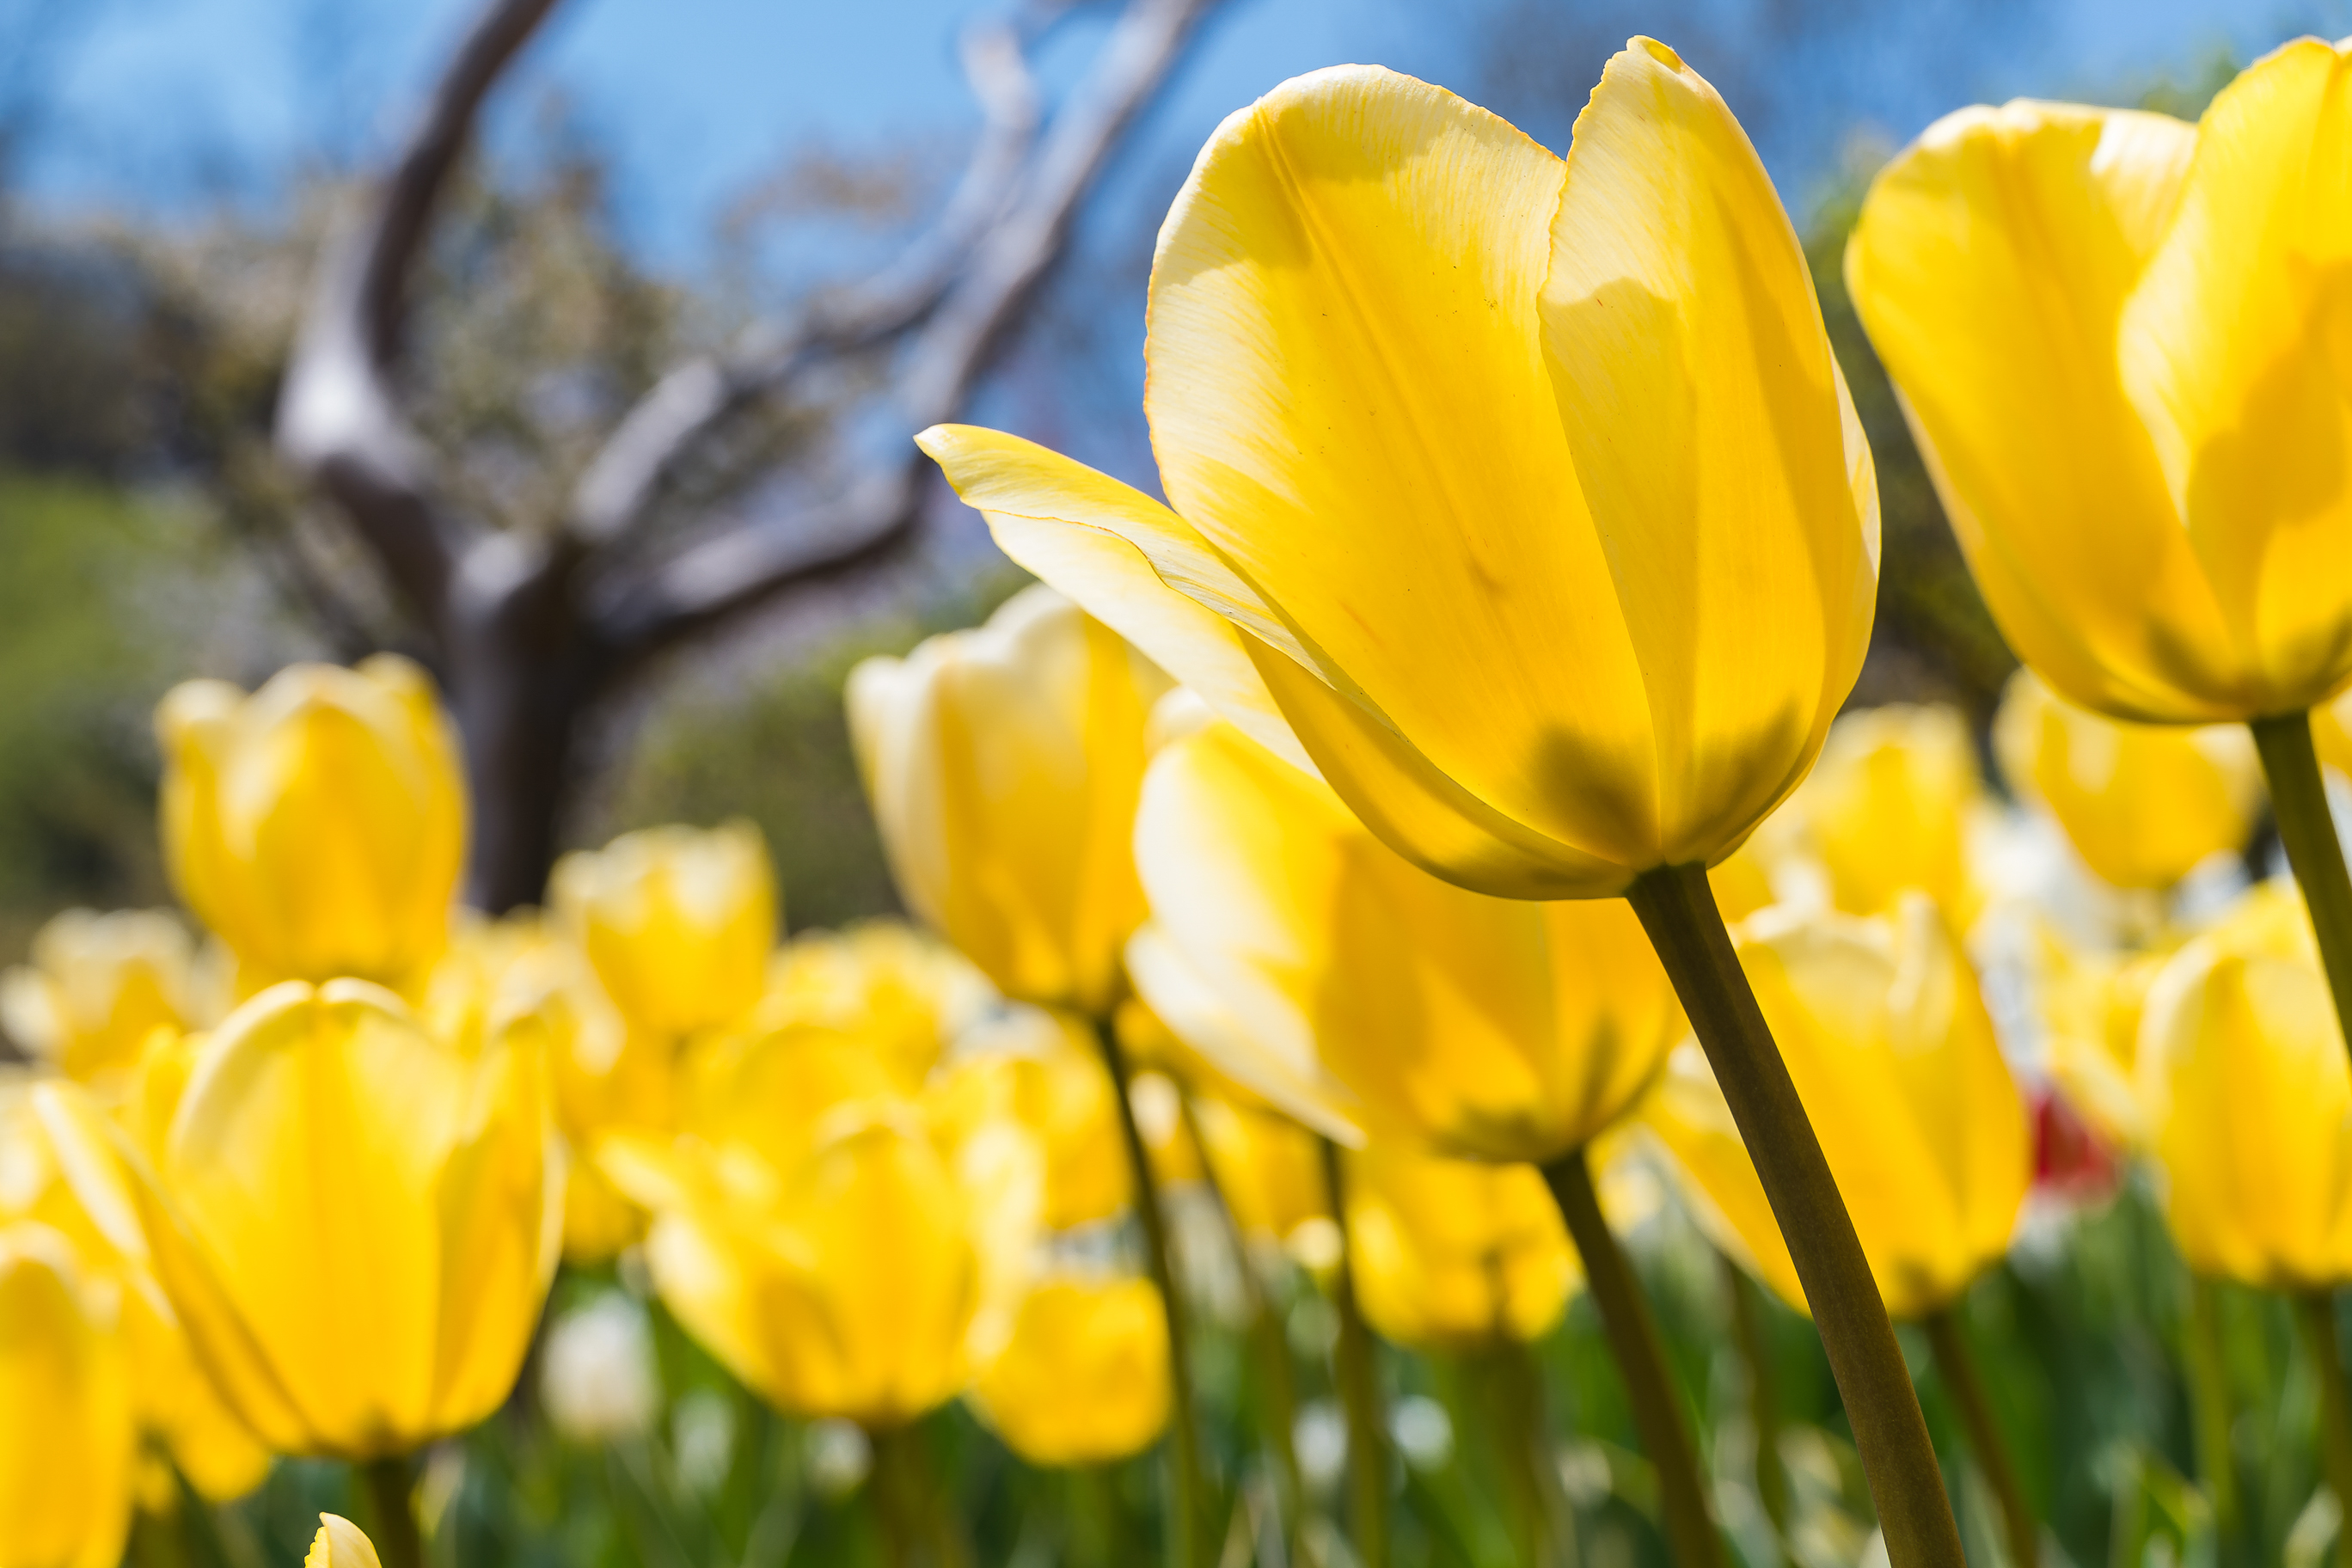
{"x": 1658, "y": 1412}
{"x": 1188, "y": 1506}
{"x": 1360, "y": 1393}
{"x": 2315, "y": 1312}
{"x": 391, "y": 1494}
{"x": 2299, "y": 807}
{"x": 1958, "y": 1364}
{"x": 1763, "y": 1400}
{"x": 1278, "y": 1396}
{"x": 1514, "y": 1397}
{"x": 2208, "y": 1402}
{"x": 1677, "y": 909}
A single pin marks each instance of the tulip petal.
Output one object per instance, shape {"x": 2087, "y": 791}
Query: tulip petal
{"x": 1165, "y": 589}
{"x": 1708, "y": 419}
{"x": 1992, "y": 265}
{"x": 1348, "y": 398}
{"x": 2236, "y": 348}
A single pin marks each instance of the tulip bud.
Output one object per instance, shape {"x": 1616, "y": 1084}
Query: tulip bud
{"x": 1084, "y": 1378}
{"x": 98, "y": 985}
{"x": 66, "y": 1443}
{"x": 1040, "y": 1070}
{"x": 318, "y": 825}
{"x": 1353, "y": 987}
{"x": 848, "y": 1280}
{"x": 2143, "y": 804}
{"x": 356, "y": 1219}
{"x": 1450, "y": 1254}
{"x": 64, "y": 1171}
{"x": 1887, "y": 1041}
{"x": 677, "y": 921}
{"x": 1889, "y": 807}
{"x": 906, "y": 993}
{"x": 340, "y": 1543}
{"x": 2249, "y": 1101}
{"x": 1003, "y": 764}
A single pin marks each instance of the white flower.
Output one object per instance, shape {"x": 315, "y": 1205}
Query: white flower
{"x": 598, "y": 1379}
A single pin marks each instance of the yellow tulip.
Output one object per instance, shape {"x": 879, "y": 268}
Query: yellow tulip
{"x": 1083, "y": 1380}
{"x": 1521, "y": 497}
{"x": 1890, "y": 807}
{"x": 340, "y": 1543}
{"x": 356, "y": 1219}
{"x": 845, "y": 1276}
{"x": 2142, "y": 805}
{"x": 677, "y": 922}
{"x": 906, "y": 993}
{"x": 1270, "y": 1170}
{"x": 97, "y": 986}
{"x": 2091, "y": 1006}
{"x": 66, "y": 1443}
{"x": 1003, "y": 764}
{"x": 318, "y": 825}
{"x": 1041, "y": 1071}
{"x": 2249, "y": 1102}
{"x": 2118, "y": 337}
{"x": 64, "y": 1171}
{"x": 1885, "y": 1034}
{"x": 1450, "y": 1254}
{"x": 1388, "y": 1001}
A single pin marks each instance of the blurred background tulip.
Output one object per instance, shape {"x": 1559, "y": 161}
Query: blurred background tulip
{"x": 98, "y": 985}
{"x": 1454, "y": 1253}
{"x": 1890, "y": 805}
{"x": 68, "y": 1445}
{"x": 1039, "y": 1070}
{"x": 356, "y": 1220}
{"x": 1003, "y": 764}
{"x": 2143, "y": 806}
{"x": 1886, "y": 1035}
{"x": 1083, "y": 1376}
{"x": 910, "y": 995}
{"x": 318, "y": 825}
{"x": 677, "y": 921}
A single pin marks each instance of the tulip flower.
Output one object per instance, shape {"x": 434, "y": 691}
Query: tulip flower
{"x": 909, "y": 994}
{"x": 842, "y": 1271}
{"x": 355, "y": 1218}
{"x": 1887, "y": 1036}
{"x": 2249, "y": 1104}
{"x": 1003, "y": 765}
{"x": 68, "y": 1445}
{"x": 1487, "y": 471}
{"x": 318, "y": 825}
{"x": 1039, "y": 1070}
{"x": 2142, "y": 805}
{"x": 97, "y": 986}
{"x": 340, "y": 1543}
{"x": 2114, "y": 335}
{"x": 1268, "y": 1171}
{"x": 1083, "y": 1379}
{"x": 66, "y": 1173}
{"x": 677, "y": 921}
{"x": 1453, "y": 1253}
{"x": 1890, "y": 805}
{"x": 2091, "y": 1006}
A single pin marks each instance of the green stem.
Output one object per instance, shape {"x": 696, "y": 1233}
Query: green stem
{"x": 1677, "y": 909}
{"x": 1640, "y": 1357}
{"x": 1359, "y": 1396}
{"x": 1515, "y": 1395}
{"x": 393, "y": 1522}
{"x": 1189, "y": 1506}
{"x": 1763, "y": 1400}
{"x": 915, "y": 1520}
{"x": 2208, "y": 1400}
{"x": 1958, "y": 1367}
{"x": 1278, "y": 1395}
{"x": 2299, "y": 807}
{"x": 2315, "y": 1312}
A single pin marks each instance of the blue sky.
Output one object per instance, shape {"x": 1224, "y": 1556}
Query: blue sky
{"x": 167, "y": 103}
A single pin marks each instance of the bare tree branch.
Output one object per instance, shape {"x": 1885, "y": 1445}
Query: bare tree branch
{"x": 719, "y": 577}
{"x": 691, "y": 402}
{"x": 338, "y": 421}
